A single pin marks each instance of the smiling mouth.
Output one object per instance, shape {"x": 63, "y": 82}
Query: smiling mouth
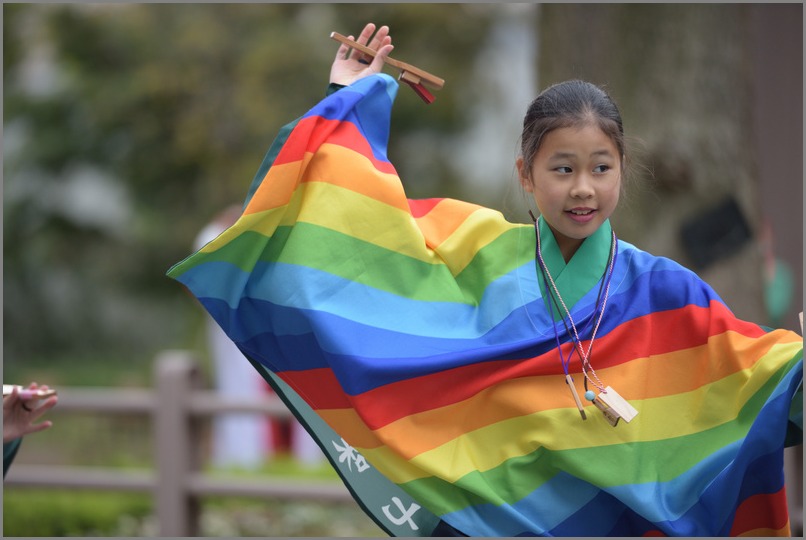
{"x": 581, "y": 211}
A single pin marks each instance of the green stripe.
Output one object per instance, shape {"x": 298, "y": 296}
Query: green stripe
{"x": 336, "y": 253}
{"x": 510, "y": 482}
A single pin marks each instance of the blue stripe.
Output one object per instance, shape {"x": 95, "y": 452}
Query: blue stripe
{"x": 307, "y": 287}
{"x": 537, "y": 513}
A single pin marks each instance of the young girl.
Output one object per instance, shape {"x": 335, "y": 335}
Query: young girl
{"x": 444, "y": 358}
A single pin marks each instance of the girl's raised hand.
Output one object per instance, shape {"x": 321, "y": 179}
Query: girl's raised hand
{"x": 351, "y": 65}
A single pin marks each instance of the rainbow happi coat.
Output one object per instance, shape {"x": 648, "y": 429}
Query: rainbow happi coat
{"x": 414, "y": 339}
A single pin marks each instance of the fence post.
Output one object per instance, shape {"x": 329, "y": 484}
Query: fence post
{"x": 177, "y": 458}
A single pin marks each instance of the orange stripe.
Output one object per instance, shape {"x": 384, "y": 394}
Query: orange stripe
{"x": 354, "y": 431}
{"x": 334, "y": 165}
{"x": 277, "y": 187}
{"x": 767, "y": 533}
{"x": 345, "y": 168}
{"x": 443, "y": 220}
{"x": 512, "y": 398}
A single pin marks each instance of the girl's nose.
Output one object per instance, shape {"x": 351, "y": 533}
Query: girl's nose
{"x": 582, "y": 188}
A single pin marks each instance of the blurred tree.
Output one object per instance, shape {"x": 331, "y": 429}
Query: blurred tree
{"x": 681, "y": 76}
{"x": 128, "y": 126}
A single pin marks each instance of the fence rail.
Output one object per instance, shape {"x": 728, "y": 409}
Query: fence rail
{"x": 177, "y": 482}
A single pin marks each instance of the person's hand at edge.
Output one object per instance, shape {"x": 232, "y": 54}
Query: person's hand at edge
{"x": 20, "y": 414}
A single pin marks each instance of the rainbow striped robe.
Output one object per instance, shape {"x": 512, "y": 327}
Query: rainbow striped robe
{"x": 413, "y": 339}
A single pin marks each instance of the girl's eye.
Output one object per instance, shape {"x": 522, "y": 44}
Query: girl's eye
{"x": 563, "y": 170}
{"x": 601, "y": 169}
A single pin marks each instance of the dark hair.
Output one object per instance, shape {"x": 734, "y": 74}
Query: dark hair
{"x": 572, "y": 103}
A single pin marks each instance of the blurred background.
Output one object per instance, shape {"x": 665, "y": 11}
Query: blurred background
{"x": 128, "y": 127}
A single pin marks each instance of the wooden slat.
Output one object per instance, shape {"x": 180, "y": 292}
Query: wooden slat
{"x": 201, "y": 484}
{"x": 80, "y": 478}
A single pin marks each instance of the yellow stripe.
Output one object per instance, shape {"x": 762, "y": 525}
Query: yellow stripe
{"x": 477, "y": 231}
{"x": 369, "y": 220}
{"x": 263, "y": 222}
{"x": 325, "y": 205}
{"x": 443, "y": 219}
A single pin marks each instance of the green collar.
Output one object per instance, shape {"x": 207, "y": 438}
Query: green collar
{"x": 582, "y": 272}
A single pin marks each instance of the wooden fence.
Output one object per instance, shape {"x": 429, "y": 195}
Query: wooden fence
{"x": 177, "y": 482}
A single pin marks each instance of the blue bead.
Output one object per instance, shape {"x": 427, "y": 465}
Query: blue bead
{"x": 589, "y": 395}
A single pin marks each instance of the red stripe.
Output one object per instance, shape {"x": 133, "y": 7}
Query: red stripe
{"x": 763, "y": 511}
{"x": 672, "y": 330}
{"x": 420, "y": 207}
{"x": 621, "y": 345}
{"x": 311, "y": 132}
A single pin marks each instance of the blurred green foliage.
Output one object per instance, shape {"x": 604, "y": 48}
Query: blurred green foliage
{"x": 129, "y": 126}
{"x": 90, "y": 513}
{"x": 71, "y": 514}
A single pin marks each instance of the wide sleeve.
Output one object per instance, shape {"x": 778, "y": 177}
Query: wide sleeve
{"x": 9, "y": 453}
{"x": 347, "y": 296}
{"x": 329, "y": 248}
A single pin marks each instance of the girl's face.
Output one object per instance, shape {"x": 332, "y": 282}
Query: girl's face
{"x": 575, "y": 180}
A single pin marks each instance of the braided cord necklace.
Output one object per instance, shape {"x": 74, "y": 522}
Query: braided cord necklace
{"x": 587, "y": 368}
{"x": 566, "y": 360}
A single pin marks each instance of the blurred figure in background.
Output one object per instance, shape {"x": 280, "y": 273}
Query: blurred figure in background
{"x": 245, "y": 439}
{"x": 288, "y": 438}
{"x": 21, "y": 408}
{"x": 239, "y": 439}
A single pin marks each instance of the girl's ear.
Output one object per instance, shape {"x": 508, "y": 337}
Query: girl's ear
{"x": 622, "y": 175}
{"x": 523, "y": 175}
